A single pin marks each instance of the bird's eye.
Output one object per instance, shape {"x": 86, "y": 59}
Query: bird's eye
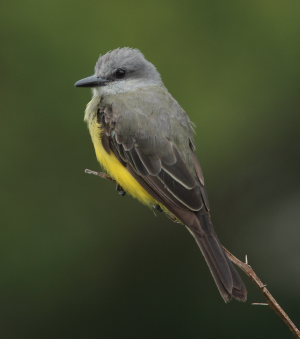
{"x": 120, "y": 73}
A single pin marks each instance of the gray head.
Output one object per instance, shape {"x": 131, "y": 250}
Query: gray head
{"x": 119, "y": 65}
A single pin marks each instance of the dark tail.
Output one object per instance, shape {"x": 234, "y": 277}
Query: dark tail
{"x": 226, "y": 277}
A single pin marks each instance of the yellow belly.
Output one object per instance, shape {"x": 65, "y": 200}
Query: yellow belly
{"x": 116, "y": 169}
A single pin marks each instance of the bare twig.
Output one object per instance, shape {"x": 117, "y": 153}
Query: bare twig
{"x": 99, "y": 174}
{"x": 272, "y": 302}
{"x": 244, "y": 266}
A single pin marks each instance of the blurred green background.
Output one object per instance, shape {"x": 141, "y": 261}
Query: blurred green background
{"x": 79, "y": 261}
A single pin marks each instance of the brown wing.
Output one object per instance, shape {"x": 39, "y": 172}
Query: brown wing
{"x": 156, "y": 148}
{"x": 155, "y": 161}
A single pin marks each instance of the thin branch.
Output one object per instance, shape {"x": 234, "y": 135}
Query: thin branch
{"x": 272, "y": 302}
{"x": 99, "y": 174}
{"x": 244, "y": 266}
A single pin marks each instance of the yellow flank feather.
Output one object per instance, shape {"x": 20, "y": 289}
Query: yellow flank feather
{"x": 116, "y": 169}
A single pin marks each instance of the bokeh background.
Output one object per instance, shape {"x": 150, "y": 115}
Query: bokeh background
{"x": 79, "y": 261}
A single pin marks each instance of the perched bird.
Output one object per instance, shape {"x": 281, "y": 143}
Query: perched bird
{"x": 145, "y": 141}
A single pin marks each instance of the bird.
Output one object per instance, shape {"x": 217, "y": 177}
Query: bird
{"x": 144, "y": 140}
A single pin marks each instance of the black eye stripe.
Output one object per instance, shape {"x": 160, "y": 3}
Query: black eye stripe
{"x": 120, "y": 73}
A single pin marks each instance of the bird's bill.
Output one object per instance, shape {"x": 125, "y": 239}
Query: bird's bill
{"x": 92, "y": 81}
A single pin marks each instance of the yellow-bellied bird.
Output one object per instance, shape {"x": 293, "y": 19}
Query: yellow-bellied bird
{"x": 145, "y": 141}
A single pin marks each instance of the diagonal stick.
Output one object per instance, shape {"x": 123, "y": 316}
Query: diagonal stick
{"x": 246, "y": 268}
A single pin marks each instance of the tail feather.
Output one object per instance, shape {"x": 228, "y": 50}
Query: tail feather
{"x": 226, "y": 277}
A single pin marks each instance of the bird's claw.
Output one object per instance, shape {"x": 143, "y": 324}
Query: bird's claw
{"x": 157, "y": 208}
{"x": 120, "y": 190}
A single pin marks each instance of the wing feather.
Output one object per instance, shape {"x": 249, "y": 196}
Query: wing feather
{"x": 179, "y": 172}
{"x": 151, "y": 162}
{"x": 157, "y": 152}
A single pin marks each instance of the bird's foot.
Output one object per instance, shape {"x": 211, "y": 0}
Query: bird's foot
{"x": 120, "y": 190}
{"x": 157, "y": 208}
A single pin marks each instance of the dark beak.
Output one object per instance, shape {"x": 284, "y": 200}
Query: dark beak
{"x": 92, "y": 81}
